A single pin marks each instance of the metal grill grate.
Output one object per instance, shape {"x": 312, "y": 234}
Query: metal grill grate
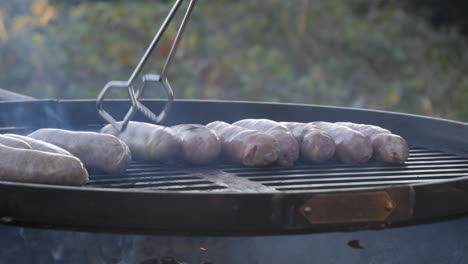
{"x": 423, "y": 165}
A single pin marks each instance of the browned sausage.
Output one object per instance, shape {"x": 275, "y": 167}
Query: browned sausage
{"x": 387, "y": 147}
{"x": 32, "y": 166}
{"x": 199, "y": 144}
{"x": 40, "y": 145}
{"x": 315, "y": 144}
{"x": 289, "y": 147}
{"x": 246, "y": 146}
{"x": 13, "y": 142}
{"x": 97, "y": 151}
{"x": 148, "y": 141}
{"x": 351, "y": 146}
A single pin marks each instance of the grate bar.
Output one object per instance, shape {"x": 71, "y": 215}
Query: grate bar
{"x": 350, "y": 184}
{"x": 358, "y": 171}
{"x": 328, "y": 166}
{"x": 194, "y": 187}
{"x": 134, "y": 176}
{"x": 155, "y": 183}
{"x": 414, "y": 150}
{"x": 352, "y": 175}
{"x": 433, "y": 158}
{"x": 424, "y": 154}
{"x": 423, "y": 165}
{"x": 138, "y": 178}
{"x": 372, "y": 178}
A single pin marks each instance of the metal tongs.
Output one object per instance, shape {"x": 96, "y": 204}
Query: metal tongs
{"x": 147, "y": 78}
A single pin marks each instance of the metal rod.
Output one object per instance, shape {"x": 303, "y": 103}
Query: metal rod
{"x": 162, "y": 79}
{"x": 154, "y": 42}
{"x": 175, "y": 44}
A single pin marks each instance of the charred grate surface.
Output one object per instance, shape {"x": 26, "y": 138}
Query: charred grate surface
{"x": 423, "y": 165}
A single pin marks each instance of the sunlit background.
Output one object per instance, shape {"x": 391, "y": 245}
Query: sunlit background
{"x": 382, "y": 54}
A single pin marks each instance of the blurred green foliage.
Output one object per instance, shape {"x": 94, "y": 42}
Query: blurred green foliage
{"x": 357, "y": 53}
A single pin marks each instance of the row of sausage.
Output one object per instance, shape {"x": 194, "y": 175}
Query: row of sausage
{"x": 261, "y": 142}
{"x": 55, "y": 156}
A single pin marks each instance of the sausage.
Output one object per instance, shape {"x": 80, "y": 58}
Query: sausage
{"x": 33, "y": 166}
{"x": 13, "y": 142}
{"x": 199, "y": 144}
{"x": 246, "y": 146}
{"x": 147, "y": 141}
{"x": 315, "y": 144}
{"x": 40, "y": 145}
{"x": 387, "y": 147}
{"x": 351, "y": 146}
{"x": 289, "y": 147}
{"x": 97, "y": 151}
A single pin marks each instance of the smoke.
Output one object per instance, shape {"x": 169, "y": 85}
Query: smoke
{"x": 444, "y": 242}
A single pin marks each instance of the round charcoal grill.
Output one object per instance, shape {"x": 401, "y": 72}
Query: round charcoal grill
{"x": 229, "y": 199}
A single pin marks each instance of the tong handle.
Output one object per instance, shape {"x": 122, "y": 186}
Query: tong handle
{"x": 162, "y": 79}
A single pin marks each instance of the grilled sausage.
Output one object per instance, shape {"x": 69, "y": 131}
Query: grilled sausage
{"x": 40, "y": 145}
{"x": 147, "y": 141}
{"x": 199, "y": 144}
{"x": 13, "y": 142}
{"x": 315, "y": 144}
{"x": 32, "y": 166}
{"x": 97, "y": 151}
{"x": 246, "y": 146}
{"x": 289, "y": 147}
{"x": 387, "y": 147}
{"x": 351, "y": 146}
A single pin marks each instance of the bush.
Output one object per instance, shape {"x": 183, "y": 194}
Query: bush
{"x": 351, "y": 53}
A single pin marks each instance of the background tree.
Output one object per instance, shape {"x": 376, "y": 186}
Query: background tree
{"x": 371, "y": 54}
